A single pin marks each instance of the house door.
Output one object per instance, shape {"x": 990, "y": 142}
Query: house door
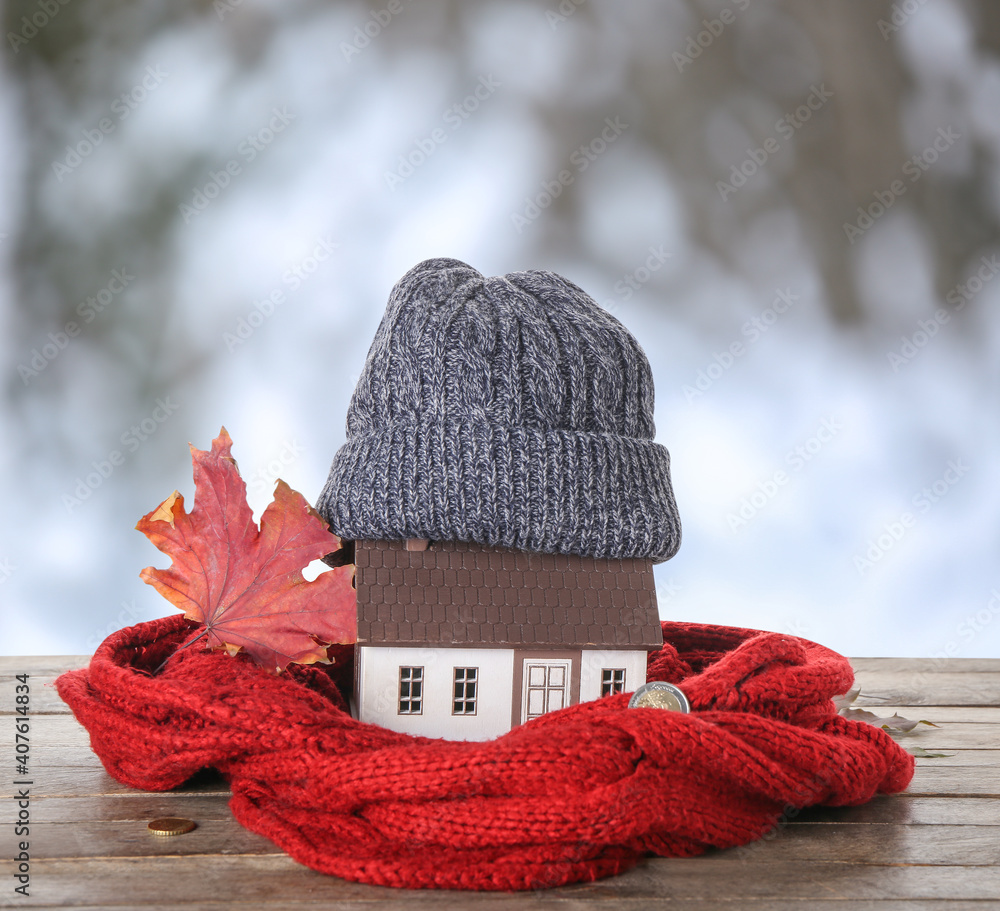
{"x": 545, "y": 687}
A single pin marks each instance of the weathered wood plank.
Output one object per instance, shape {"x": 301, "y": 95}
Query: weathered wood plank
{"x": 40, "y": 664}
{"x": 954, "y": 735}
{"x": 943, "y": 694}
{"x": 936, "y": 846}
{"x": 947, "y": 845}
{"x": 62, "y": 730}
{"x": 530, "y": 901}
{"x": 689, "y": 878}
{"x": 939, "y": 714}
{"x": 924, "y": 665}
{"x": 949, "y": 781}
{"x": 928, "y": 688}
{"x": 65, "y": 765}
{"x": 44, "y": 696}
{"x": 896, "y": 809}
{"x": 45, "y": 701}
{"x": 131, "y": 838}
{"x": 905, "y": 809}
{"x": 92, "y": 780}
{"x": 134, "y": 805}
{"x": 95, "y": 782}
{"x": 980, "y": 759}
{"x": 276, "y": 879}
{"x": 941, "y": 845}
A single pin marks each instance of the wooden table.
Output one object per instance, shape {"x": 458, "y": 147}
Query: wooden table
{"x": 937, "y": 846}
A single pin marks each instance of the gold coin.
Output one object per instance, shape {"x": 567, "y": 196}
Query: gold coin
{"x": 659, "y": 695}
{"x": 171, "y": 825}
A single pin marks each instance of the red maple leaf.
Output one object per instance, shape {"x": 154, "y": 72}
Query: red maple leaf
{"x": 243, "y": 583}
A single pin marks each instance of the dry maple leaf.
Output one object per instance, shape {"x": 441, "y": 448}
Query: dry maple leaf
{"x": 245, "y": 584}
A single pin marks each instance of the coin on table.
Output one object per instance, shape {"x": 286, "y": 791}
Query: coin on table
{"x": 659, "y": 695}
{"x": 171, "y": 825}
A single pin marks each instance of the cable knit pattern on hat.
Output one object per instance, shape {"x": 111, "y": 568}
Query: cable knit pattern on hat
{"x": 510, "y": 411}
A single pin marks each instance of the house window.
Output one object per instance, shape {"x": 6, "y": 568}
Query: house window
{"x": 612, "y": 681}
{"x": 411, "y": 691}
{"x": 466, "y": 686}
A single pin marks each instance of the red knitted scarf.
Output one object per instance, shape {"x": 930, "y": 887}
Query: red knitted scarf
{"x": 574, "y": 795}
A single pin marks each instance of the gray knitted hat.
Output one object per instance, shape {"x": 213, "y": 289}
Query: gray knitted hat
{"x": 508, "y": 411}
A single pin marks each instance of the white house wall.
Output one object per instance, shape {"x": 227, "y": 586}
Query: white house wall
{"x": 594, "y": 662}
{"x": 378, "y": 690}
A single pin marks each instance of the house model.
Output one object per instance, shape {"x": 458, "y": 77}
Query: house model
{"x": 505, "y": 501}
{"x": 464, "y": 641}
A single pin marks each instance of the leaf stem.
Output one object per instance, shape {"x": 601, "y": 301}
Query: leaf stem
{"x": 181, "y": 648}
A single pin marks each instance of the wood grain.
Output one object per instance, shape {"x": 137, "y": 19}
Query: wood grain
{"x": 275, "y": 878}
{"x": 53, "y": 731}
{"x": 936, "y": 846}
{"x": 871, "y": 843}
{"x": 571, "y": 903}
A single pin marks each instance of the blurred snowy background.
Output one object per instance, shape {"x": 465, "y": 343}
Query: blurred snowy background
{"x": 793, "y": 205}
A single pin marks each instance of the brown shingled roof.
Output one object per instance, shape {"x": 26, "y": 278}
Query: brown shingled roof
{"x": 459, "y": 593}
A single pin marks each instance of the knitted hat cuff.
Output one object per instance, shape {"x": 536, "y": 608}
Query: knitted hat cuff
{"x": 548, "y": 491}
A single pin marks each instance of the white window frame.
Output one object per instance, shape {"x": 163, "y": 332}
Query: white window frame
{"x": 612, "y": 681}
{"x": 462, "y": 686}
{"x": 414, "y": 675}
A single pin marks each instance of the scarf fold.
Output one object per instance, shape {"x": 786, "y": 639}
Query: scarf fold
{"x": 574, "y": 795}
